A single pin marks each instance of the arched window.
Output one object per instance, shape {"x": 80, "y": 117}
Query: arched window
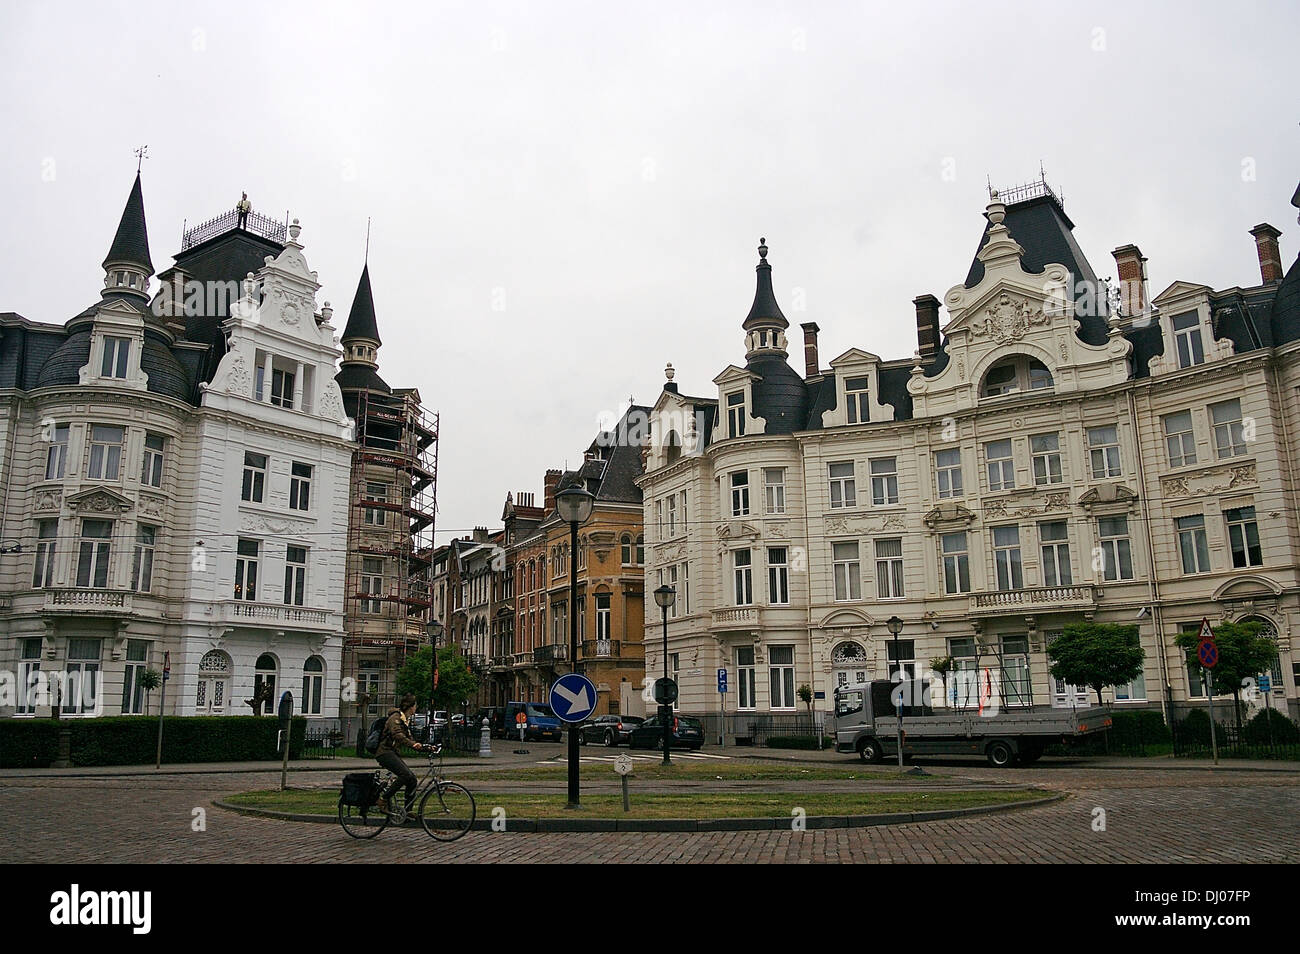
{"x": 672, "y": 448}
{"x": 214, "y": 684}
{"x": 626, "y": 542}
{"x": 313, "y": 685}
{"x": 263, "y": 674}
{"x": 1016, "y": 373}
{"x": 1269, "y": 629}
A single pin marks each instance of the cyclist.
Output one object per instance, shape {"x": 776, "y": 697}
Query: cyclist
{"x": 397, "y": 733}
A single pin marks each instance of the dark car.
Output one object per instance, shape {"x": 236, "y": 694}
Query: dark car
{"x": 687, "y": 733}
{"x": 496, "y": 720}
{"x": 419, "y": 723}
{"x": 539, "y": 721}
{"x": 609, "y": 730}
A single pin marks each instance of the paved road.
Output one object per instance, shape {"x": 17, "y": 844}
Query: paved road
{"x": 1253, "y": 816}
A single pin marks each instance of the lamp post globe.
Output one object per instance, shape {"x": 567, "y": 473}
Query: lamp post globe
{"x": 574, "y": 505}
{"x": 665, "y": 597}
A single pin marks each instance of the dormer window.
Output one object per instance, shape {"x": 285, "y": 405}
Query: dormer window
{"x": 1187, "y": 338}
{"x": 120, "y": 278}
{"x": 736, "y": 414}
{"x": 1017, "y": 373}
{"x": 116, "y": 352}
{"x": 855, "y": 393}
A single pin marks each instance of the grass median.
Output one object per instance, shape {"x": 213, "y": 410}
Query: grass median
{"x": 693, "y": 771}
{"x": 676, "y": 805}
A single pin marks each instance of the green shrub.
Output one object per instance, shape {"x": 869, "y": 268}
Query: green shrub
{"x": 28, "y": 743}
{"x": 1138, "y": 727}
{"x": 1284, "y": 731}
{"x": 1194, "y": 729}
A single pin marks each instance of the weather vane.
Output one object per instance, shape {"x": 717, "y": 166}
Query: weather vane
{"x": 141, "y": 155}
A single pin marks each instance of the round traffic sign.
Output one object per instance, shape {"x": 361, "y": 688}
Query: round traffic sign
{"x": 665, "y": 692}
{"x": 520, "y": 718}
{"x": 573, "y": 697}
{"x": 1208, "y": 653}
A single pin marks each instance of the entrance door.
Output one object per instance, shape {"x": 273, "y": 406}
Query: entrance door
{"x": 1066, "y": 696}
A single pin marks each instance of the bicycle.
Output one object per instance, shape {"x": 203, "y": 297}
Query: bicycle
{"x": 446, "y": 809}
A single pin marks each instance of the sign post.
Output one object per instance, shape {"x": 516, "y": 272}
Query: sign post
{"x": 521, "y": 720}
{"x": 162, "y": 705}
{"x": 286, "y": 720}
{"x": 722, "y": 707}
{"x": 623, "y": 766}
{"x": 1207, "y": 651}
{"x": 1266, "y": 686}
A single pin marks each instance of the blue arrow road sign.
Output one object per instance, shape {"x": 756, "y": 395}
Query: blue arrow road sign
{"x": 722, "y": 680}
{"x": 573, "y": 697}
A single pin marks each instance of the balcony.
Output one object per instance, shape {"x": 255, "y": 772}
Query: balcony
{"x": 247, "y": 613}
{"x": 546, "y": 655}
{"x": 88, "y": 601}
{"x": 1040, "y": 599}
{"x": 601, "y": 649}
{"x": 737, "y": 619}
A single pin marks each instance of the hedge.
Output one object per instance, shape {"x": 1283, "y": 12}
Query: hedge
{"x": 1138, "y": 727}
{"x": 133, "y": 740}
{"x": 798, "y": 742}
{"x": 1283, "y": 730}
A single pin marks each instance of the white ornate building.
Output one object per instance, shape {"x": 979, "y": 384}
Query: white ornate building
{"x": 1048, "y": 456}
{"x": 176, "y": 479}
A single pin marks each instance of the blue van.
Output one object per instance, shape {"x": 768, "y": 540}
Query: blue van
{"x": 541, "y": 724}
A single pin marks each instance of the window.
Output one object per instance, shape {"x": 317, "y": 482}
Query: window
{"x": 1055, "y": 541}
{"x": 368, "y": 682}
{"x": 47, "y": 532}
{"x": 29, "y": 669}
{"x": 104, "y": 460}
{"x": 1002, "y": 468}
{"x": 1132, "y": 691}
{"x": 625, "y": 549}
{"x": 137, "y": 659}
{"x": 889, "y": 568}
{"x": 947, "y": 470}
{"x": 300, "y": 486}
{"x": 1006, "y": 558}
{"x": 1192, "y": 545}
{"x": 843, "y": 487}
{"x": 659, "y": 519}
{"x": 602, "y": 617}
{"x": 847, "y": 571}
{"x": 372, "y": 584}
{"x": 1103, "y": 451}
{"x": 740, "y": 493}
{"x": 56, "y": 457}
{"x": 1243, "y": 537}
{"x": 282, "y": 388}
{"x": 1015, "y": 671}
{"x": 246, "y": 554}
{"x": 781, "y": 676}
{"x": 264, "y": 675}
{"x": 81, "y": 686}
{"x": 745, "y": 677}
{"x": 1187, "y": 338}
{"x": 377, "y": 493}
{"x": 295, "y": 575}
{"x": 640, "y": 549}
{"x": 151, "y": 468}
{"x": 1116, "y": 552}
{"x": 684, "y": 592}
{"x": 92, "y": 558}
{"x": 1046, "y": 451}
{"x": 116, "y": 351}
{"x": 670, "y": 512}
{"x": 736, "y": 414}
{"x": 1180, "y": 440}
{"x": 670, "y": 577}
{"x": 142, "y": 564}
{"x": 744, "y": 574}
{"x": 901, "y": 655}
{"x": 683, "y": 511}
{"x": 884, "y": 481}
{"x": 254, "y": 477}
{"x": 675, "y": 670}
{"x": 313, "y": 685}
{"x": 956, "y": 563}
{"x": 1229, "y": 436}
{"x": 778, "y": 576}
{"x": 855, "y": 391}
{"x": 1014, "y": 374}
{"x": 774, "y": 489}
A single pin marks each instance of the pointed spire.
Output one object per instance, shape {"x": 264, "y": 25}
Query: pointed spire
{"x": 131, "y": 243}
{"x": 361, "y": 319}
{"x": 765, "y": 312}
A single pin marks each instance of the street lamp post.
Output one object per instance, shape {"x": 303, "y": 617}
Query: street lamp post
{"x": 895, "y": 627}
{"x": 574, "y": 505}
{"x": 435, "y": 630}
{"x": 666, "y": 596}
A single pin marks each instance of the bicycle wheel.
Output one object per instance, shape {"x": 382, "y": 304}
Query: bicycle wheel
{"x": 447, "y": 811}
{"x": 360, "y": 825}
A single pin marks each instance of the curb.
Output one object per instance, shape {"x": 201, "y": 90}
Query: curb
{"x": 547, "y": 825}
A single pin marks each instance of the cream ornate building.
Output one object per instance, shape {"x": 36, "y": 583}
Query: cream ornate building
{"x": 1056, "y": 452}
{"x": 175, "y": 470}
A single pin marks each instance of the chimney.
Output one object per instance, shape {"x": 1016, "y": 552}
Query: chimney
{"x": 927, "y": 328}
{"x": 810, "y": 364}
{"x": 551, "y": 484}
{"x": 1270, "y": 256}
{"x": 480, "y": 534}
{"x": 1131, "y": 265}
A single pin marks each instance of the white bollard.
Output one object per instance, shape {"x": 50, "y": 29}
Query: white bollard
{"x": 485, "y": 741}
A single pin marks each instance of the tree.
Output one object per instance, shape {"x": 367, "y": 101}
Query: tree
{"x": 1245, "y": 651}
{"x": 455, "y": 681}
{"x": 1096, "y": 655}
{"x": 941, "y": 666}
{"x": 149, "y": 680}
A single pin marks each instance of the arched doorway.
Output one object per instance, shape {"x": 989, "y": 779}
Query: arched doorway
{"x": 264, "y": 675}
{"x": 214, "y": 684}
{"x": 849, "y": 664}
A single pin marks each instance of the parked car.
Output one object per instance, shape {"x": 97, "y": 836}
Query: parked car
{"x": 541, "y": 723}
{"x": 687, "y": 733}
{"x": 419, "y": 723}
{"x": 496, "y": 720}
{"x": 458, "y": 718}
{"x": 609, "y": 730}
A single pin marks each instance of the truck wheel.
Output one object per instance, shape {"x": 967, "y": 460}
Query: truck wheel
{"x": 1000, "y": 754}
{"x": 869, "y": 750}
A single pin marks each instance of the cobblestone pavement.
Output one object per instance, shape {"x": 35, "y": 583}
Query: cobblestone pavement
{"x": 1249, "y": 816}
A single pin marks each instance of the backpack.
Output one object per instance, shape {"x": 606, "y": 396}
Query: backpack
{"x": 376, "y": 734}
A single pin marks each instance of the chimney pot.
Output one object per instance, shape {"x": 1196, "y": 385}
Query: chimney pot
{"x": 811, "y": 364}
{"x": 927, "y": 328}
{"x": 1131, "y": 268}
{"x": 1270, "y": 255}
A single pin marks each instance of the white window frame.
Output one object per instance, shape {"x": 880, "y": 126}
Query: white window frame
{"x": 1002, "y": 468}
{"x": 246, "y": 569}
{"x": 947, "y": 473}
{"x": 781, "y": 678}
{"x": 1103, "y": 452}
{"x": 376, "y": 491}
{"x": 116, "y": 357}
{"x": 1045, "y": 453}
{"x": 253, "y": 486}
{"x": 56, "y": 457}
{"x": 890, "y": 579}
{"x": 313, "y": 687}
{"x": 956, "y": 562}
{"x": 1008, "y": 562}
{"x": 1116, "y": 549}
{"x": 372, "y": 585}
{"x": 739, "y": 492}
{"x": 1229, "y": 433}
{"x": 146, "y": 543}
{"x": 1240, "y": 526}
{"x": 745, "y": 667}
{"x": 857, "y": 400}
{"x": 300, "y": 485}
{"x": 1055, "y": 553}
{"x": 743, "y": 577}
{"x": 95, "y": 555}
{"x": 884, "y": 481}
{"x": 104, "y": 455}
{"x": 843, "y": 485}
{"x": 778, "y": 576}
{"x": 47, "y": 540}
{"x": 1192, "y": 542}
{"x": 735, "y": 414}
{"x": 27, "y": 690}
{"x": 846, "y": 570}
{"x": 152, "y": 460}
{"x": 1180, "y": 444}
{"x": 1188, "y": 341}
{"x": 78, "y": 668}
{"x": 774, "y": 489}
{"x": 295, "y": 575}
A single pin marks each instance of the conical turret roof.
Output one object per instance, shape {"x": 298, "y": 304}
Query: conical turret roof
{"x": 131, "y": 243}
{"x": 361, "y": 319}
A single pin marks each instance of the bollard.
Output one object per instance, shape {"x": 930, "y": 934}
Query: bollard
{"x": 485, "y": 741}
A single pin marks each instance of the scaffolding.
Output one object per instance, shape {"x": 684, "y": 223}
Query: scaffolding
{"x": 391, "y": 519}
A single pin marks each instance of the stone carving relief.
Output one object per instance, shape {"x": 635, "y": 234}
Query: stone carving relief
{"x": 99, "y": 502}
{"x": 152, "y": 506}
{"x": 48, "y": 500}
{"x": 269, "y": 523}
{"x": 1208, "y": 481}
{"x": 240, "y": 379}
{"x": 1008, "y": 319}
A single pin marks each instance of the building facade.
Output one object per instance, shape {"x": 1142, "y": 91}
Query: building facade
{"x": 175, "y": 473}
{"x": 1055, "y": 452}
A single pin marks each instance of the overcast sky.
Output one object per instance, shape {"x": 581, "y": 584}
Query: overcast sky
{"x": 566, "y": 196}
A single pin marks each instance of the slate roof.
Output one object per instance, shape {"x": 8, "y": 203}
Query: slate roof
{"x": 619, "y": 471}
{"x": 1285, "y": 315}
{"x": 361, "y": 319}
{"x": 780, "y": 397}
{"x": 764, "y": 310}
{"x": 131, "y": 243}
{"x": 358, "y": 377}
